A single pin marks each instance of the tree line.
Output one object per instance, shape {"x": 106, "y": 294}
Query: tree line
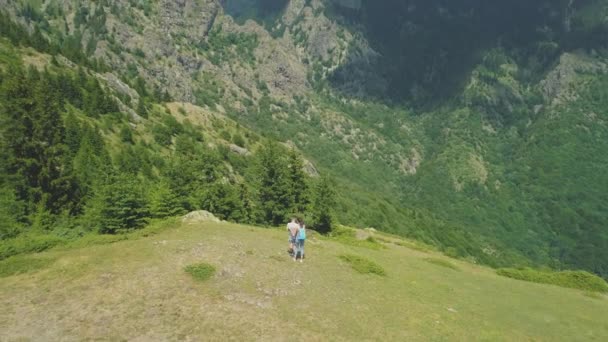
{"x": 58, "y": 170}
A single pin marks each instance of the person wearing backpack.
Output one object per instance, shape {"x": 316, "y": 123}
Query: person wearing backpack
{"x": 300, "y": 239}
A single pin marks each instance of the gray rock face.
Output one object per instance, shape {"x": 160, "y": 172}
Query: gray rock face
{"x": 239, "y": 150}
{"x": 556, "y": 87}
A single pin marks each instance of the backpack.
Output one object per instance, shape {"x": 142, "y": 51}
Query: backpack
{"x": 302, "y": 234}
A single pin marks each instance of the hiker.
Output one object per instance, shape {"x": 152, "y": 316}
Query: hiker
{"x": 300, "y": 239}
{"x": 292, "y": 230}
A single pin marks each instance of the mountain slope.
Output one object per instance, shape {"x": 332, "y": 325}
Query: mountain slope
{"x": 476, "y": 127}
{"x": 137, "y": 289}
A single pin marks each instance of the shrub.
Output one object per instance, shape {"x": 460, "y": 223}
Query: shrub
{"x": 362, "y": 265}
{"x": 581, "y": 280}
{"x": 238, "y": 140}
{"x": 20, "y": 265}
{"x": 442, "y": 263}
{"x": 28, "y": 244}
{"x": 201, "y": 271}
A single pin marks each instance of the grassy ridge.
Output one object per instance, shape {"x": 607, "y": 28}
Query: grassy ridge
{"x": 572, "y": 279}
{"x": 137, "y": 288}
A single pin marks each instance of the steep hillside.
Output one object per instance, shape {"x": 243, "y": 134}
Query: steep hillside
{"x": 138, "y": 290}
{"x": 476, "y": 127}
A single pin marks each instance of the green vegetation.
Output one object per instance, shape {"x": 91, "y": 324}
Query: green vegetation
{"x": 460, "y": 144}
{"x": 348, "y": 236}
{"x": 200, "y": 271}
{"x": 225, "y": 47}
{"x": 442, "y": 262}
{"x": 363, "y": 265}
{"x": 30, "y": 243}
{"x": 573, "y": 279}
{"x": 23, "y": 264}
{"x": 256, "y": 292}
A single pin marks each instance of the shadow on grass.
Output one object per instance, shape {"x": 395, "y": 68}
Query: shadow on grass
{"x": 442, "y": 263}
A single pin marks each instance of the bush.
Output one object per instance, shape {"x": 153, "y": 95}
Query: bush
{"x": 442, "y": 263}
{"x": 581, "y": 280}
{"x": 28, "y": 244}
{"x": 201, "y": 271}
{"x": 362, "y": 265}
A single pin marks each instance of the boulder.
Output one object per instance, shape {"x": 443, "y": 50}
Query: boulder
{"x": 200, "y": 216}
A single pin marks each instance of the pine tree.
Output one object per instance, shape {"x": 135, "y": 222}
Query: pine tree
{"x": 11, "y": 213}
{"x": 92, "y": 164}
{"x": 123, "y": 206}
{"x": 298, "y": 183}
{"x": 222, "y": 200}
{"x": 49, "y": 133}
{"x": 164, "y": 202}
{"x": 322, "y": 206}
{"x": 33, "y": 136}
{"x": 247, "y": 208}
{"x": 274, "y": 193}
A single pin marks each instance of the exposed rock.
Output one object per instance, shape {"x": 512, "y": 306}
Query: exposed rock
{"x": 410, "y": 165}
{"x": 310, "y": 169}
{"x": 239, "y": 150}
{"x": 199, "y": 216}
{"x": 556, "y": 87}
{"x": 119, "y": 86}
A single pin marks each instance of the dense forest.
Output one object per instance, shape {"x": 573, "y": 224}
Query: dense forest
{"x": 63, "y": 171}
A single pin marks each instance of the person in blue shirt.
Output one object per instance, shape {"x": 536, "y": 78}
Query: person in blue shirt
{"x": 300, "y": 239}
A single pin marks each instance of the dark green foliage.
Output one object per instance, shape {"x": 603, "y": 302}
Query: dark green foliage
{"x": 200, "y": 271}
{"x": 224, "y": 201}
{"x": 126, "y": 135}
{"x": 238, "y": 140}
{"x": 323, "y": 206}
{"x": 298, "y": 183}
{"x": 92, "y": 164}
{"x": 12, "y": 213}
{"x": 164, "y": 202}
{"x": 363, "y": 265}
{"x": 274, "y": 193}
{"x": 121, "y": 206}
{"x": 33, "y": 139}
{"x": 573, "y": 279}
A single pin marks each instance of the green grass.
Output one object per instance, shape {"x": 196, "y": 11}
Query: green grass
{"x": 348, "y": 236}
{"x": 36, "y": 243}
{"x": 200, "y": 271}
{"x": 442, "y": 263}
{"x": 363, "y": 265}
{"x": 581, "y": 280}
{"x": 23, "y": 264}
{"x": 138, "y": 287}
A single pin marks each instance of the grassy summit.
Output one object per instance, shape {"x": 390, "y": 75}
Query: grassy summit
{"x": 137, "y": 288}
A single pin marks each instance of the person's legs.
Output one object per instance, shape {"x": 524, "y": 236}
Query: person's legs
{"x": 301, "y": 245}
